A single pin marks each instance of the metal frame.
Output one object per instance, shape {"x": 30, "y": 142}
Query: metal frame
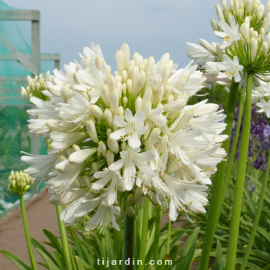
{"x": 29, "y": 61}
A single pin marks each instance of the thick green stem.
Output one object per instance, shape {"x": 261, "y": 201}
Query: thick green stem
{"x": 129, "y": 242}
{"x": 157, "y": 232}
{"x": 64, "y": 239}
{"x": 147, "y": 206}
{"x": 213, "y": 214}
{"x": 240, "y": 178}
{"x": 169, "y": 236}
{"x": 27, "y": 234}
{"x": 257, "y": 218}
{"x": 232, "y": 153}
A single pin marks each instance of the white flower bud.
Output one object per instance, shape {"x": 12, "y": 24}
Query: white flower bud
{"x": 109, "y": 131}
{"x": 138, "y": 104}
{"x": 124, "y": 89}
{"x": 126, "y": 55}
{"x": 114, "y": 102}
{"x": 108, "y": 70}
{"x": 245, "y": 32}
{"x": 249, "y": 4}
{"x": 129, "y": 85}
{"x": 105, "y": 94}
{"x": 96, "y": 111}
{"x": 265, "y": 49}
{"x": 24, "y": 94}
{"x": 120, "y": 61}
{"x": 67, "y": 93}
{"x": 173, "y": 167}
{"x": 76, "y": 78}
{"x": 99, "y": 63}
{"x": 123, "y": 146}
{"x": 29, "y": 80}
{"x": 153, "y": 138}
{"x": 149, "y": 65}
{"x": 219, "y": 12}
{"x": 163, "y": 143}
{"x": 214, "y": 25}
{"x": 108, "y": 116}
{"x": 148, "y": 94}
{"x": 113, "y": 145}
{"x": 110, "y": 81}
{"x": 224, "y": 4}
{"x": 102, "y": 148}
{"x": 268, "y": 39}
{"x": 254, "y": 48}
{"x": 91, "y": 129}
{"x": 262, "y": 33}
{"x": 110, "y": 157}
{"x": 148, "y": 126}
{"x": 138, "y": 85}
{"x": 80, "y": 156}
{"x": 135, "y": 73}
{"x": 125, "y": 101}
{"x": 158, "y": 95}
{"x": 94, "y": 167}
{"x": 120, "y": 112}
{"x": 124, "y": 76}
{"x": 266, "y": 23}
{"x": 184, "y": 120}
{"x": 255, "y": 34}
{"x": 75, "y": 147}
{"x": 208, "y": 46}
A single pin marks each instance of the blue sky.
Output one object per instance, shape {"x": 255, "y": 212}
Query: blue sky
{"x": 149, "y": 27}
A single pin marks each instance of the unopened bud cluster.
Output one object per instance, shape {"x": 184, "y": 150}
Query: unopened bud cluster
{"x": 35, "y": 87}
{"x": 19, "y": 182}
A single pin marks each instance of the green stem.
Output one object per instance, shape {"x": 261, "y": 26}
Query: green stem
{"x": 144, "y": 232}
{"x": 27, "y": 234}
{"x": 129, "y": 241}
{"x": 64, "y": 240}
{"x": 157, "y": 232}
{"x": 240, "y": 178}
{"x": 213, "y": 214}
{"x": 257, "y": 218}
{"x": 232, "y": 153}
{"x": 169, "y": 236}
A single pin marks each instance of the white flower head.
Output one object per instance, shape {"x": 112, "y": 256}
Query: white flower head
{"x": 128, "y": 131}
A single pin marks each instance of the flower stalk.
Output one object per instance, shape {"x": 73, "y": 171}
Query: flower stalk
{"x": 64, "y": 239}
{"x": 157, "y": 232}
{"x": 129, "y": 241}
{"x": 240, "y": 178}
{"x": 213, "y": 215}
{"x": 232, "y": 153}
{"x": 257, "y": 218}
{"x": 27, "y": 234}
{"x": 144, "y": 232}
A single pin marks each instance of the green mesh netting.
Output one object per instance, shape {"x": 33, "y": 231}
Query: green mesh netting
{"x": 14, "y": 134}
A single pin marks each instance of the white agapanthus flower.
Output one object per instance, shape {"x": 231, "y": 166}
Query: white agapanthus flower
{"x": 244, "y": 29}
{"x": 131, "y": 131}
{"x": 230, "y": 32}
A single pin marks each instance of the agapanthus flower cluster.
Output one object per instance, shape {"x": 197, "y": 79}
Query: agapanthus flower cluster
{"x": 128, "y": 133}
{"x": 35, "y": 87}
{"x": 243, "y": 27}
{"x": 259, "y": 143}
{"x": 19, "y": 182}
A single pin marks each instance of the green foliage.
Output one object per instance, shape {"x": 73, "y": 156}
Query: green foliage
{"x": 259, "y": 256}
{"x": 88, "y": 247}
